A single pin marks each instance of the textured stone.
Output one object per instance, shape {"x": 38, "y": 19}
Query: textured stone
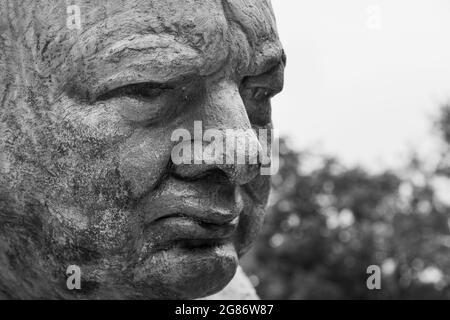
{"x": 86, "y": 118}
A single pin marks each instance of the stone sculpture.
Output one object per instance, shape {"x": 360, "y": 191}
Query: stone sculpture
{"x": 90, "y": 93}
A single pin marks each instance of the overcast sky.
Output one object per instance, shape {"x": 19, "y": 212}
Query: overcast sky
{"x": 364, "y": 78}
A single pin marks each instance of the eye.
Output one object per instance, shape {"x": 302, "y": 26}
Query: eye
{"x": 143, "y": 103}
{"x": 257, "y": 104}
{"x": 261, "y": 93}
{"x": 257, "y": 91}
{"x": 256, "y": 96}
{"x": 141, "y": 91}
{"x": 148, "y": 104}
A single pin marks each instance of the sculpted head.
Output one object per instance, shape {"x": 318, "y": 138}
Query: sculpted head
{"x": 86, "y": 120}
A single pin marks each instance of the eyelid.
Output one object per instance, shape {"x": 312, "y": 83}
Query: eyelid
{"x": 122, "y": 81}
{"x": 261, "y": 93}
{"x": 129, "y": 88}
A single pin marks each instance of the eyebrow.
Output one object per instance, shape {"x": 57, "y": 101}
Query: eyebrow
{"x": 151, "y": 58}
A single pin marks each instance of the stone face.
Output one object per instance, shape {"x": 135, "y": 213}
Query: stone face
{"x": 86, "y": 118}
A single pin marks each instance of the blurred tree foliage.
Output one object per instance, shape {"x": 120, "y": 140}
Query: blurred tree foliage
{"x": 326, "y": 224}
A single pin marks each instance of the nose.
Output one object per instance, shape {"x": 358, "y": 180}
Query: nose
{"x": 222, "y": 116}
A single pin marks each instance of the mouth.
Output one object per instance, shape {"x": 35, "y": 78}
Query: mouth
{"x": 190, "y": 232}
{"x": 193, "y": 233}
{"x": 191, "y": 215}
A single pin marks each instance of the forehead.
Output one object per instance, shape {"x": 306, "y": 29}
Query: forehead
{"x": 256, "y": 20}
{"x": 163, "y": 38}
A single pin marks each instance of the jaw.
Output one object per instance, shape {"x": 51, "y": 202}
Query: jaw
{"x": 188, "y": 273}
{"x": 178, "y": 271}
{"x": 175, "y": 273}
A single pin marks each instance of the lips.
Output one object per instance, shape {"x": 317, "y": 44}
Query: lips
{"x": 192, "y": 214}
{"x": 183, "y": 231}
{"x": 188, "y": 208}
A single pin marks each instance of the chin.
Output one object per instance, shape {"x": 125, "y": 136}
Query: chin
{"x": 188, "y": 273}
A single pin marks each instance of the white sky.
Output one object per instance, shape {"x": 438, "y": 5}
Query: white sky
{"x": 362, "y": 85}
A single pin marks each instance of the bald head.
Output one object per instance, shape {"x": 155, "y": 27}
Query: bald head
{"x": 171, "y": 38}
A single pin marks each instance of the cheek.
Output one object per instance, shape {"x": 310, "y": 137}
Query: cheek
{"x": 104, "y": 166}
{"x": 144, "y": 158}
{"x": 112, "y": 231}
{"x": 84, "y": 151}
{"x": 105, "y": 159}
{"x": 108, "y": 231}
{"x": 256, "y": 195}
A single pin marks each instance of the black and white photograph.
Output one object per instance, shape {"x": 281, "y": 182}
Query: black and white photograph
{"x": 211, "y": 151}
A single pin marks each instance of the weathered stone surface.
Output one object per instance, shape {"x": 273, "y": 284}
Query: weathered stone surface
{"x": 86, "y": 118}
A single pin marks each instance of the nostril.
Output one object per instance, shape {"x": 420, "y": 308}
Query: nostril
{"x": 218, "y": 176}
{"x": 226, "y": 174}
{"x": 192, "y": 173}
